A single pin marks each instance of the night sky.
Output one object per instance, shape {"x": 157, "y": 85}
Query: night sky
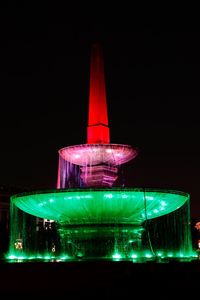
{"x": 152, "y": 82}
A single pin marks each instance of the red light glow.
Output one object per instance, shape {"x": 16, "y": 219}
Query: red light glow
{"x": 98, "y": 130}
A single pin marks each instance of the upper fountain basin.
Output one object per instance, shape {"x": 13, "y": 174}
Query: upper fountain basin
{"x": 94, "y": 154}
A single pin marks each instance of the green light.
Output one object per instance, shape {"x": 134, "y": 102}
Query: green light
{"x": 170, "y": 254}
{"x": 134, "y": 256}
{"x": 116, "y": 256}
{"x": 90, "y": 206}
{"x": 64, "y": 257}
{"x": 148, "y": 255}
{"x": 11, "y": 257}
{"x": 99, "y": 223}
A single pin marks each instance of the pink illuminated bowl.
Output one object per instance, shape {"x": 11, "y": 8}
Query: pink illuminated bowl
{"x": 94, "y": 154}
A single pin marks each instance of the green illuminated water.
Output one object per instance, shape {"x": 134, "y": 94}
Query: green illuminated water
{"x": 128, "y": 223}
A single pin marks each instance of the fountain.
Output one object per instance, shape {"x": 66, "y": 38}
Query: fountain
{"x": 91, "y": 215}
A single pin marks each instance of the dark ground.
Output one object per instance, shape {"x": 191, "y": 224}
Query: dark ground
{"x": 101, "y": 279}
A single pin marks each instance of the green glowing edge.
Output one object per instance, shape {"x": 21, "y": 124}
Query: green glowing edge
{"x": 94, "y": 206}
{"x": 144, "y": 256}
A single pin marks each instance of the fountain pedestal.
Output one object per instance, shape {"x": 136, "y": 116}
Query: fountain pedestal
{"x": 101, "y": 241}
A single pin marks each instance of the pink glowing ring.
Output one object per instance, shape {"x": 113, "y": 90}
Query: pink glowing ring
{"x": 94, "y": 154}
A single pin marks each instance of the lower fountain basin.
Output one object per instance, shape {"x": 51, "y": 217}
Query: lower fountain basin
{"x": 105, "y": 206}
{"x": 93, "y": 224}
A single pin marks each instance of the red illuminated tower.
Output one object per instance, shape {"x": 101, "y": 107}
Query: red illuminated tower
{"x": 98, "y": 130}
{"x": 98, "y": 159}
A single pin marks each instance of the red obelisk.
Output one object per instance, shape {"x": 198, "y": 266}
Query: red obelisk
{"x": 98, "y": 131}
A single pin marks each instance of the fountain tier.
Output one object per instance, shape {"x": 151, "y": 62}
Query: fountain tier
{"x": 107, "y": 206}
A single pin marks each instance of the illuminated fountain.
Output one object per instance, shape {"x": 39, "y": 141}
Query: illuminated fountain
{"x": 91, "y": 215}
